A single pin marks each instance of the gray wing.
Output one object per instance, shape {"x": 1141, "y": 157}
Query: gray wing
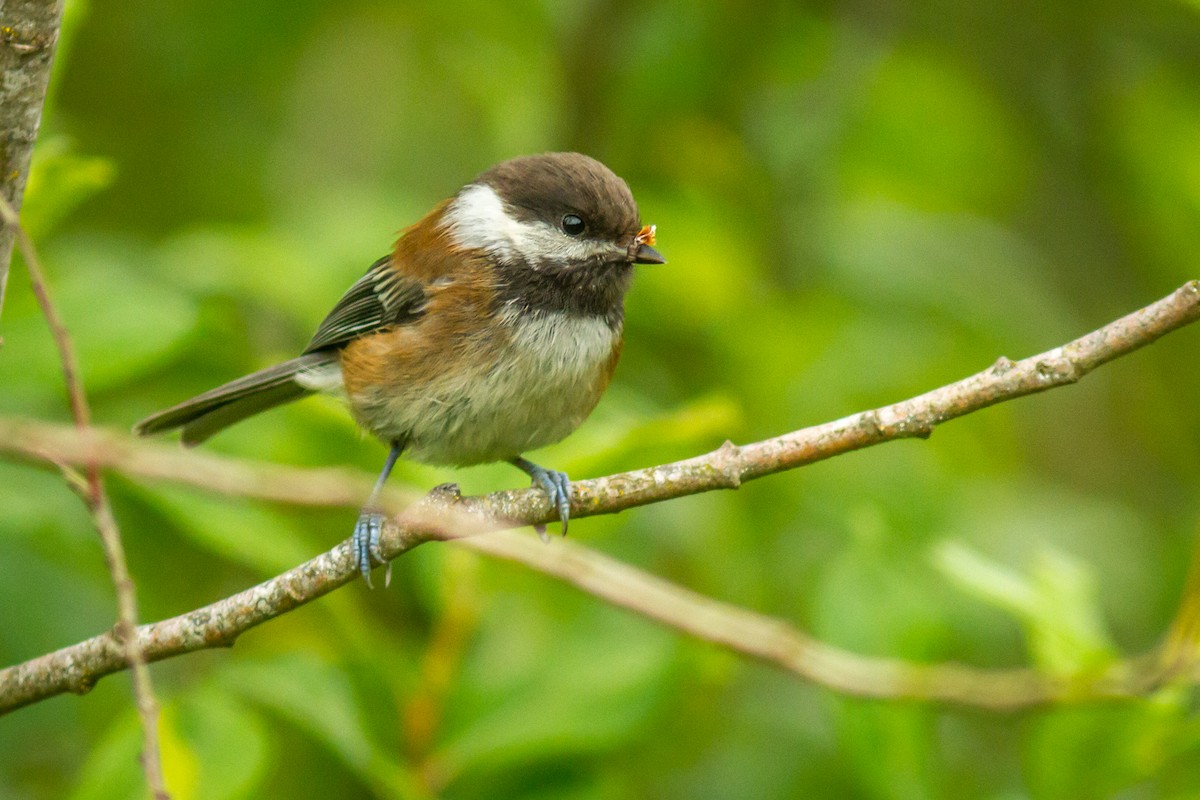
{"x": 205, "y": 414}
{"x": 383, "y": 298}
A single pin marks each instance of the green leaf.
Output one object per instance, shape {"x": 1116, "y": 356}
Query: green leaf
{"x": 892, "y": 746}
{"x": 539, "y": 688}
{"x": 1097, "y": 752}
{"x": 871, "y": 597}
{"x": 317, "y": 698}
{"x": 60, "y": 180}
{"x": 180, "y": 761}
{"x": 121, "y": 321}
{"x": 212, "y": 748}
{"x": 111, "y": 770}
{"x": 985, "y": 579}
{"x": 1057, "y": 604}
{"x": 244, "y": 532}
{"x": 228, "y": 742}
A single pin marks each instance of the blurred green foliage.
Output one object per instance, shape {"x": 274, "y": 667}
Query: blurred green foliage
{"x": 859, "y": 201}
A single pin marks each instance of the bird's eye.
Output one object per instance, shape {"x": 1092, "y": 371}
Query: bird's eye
{"x": 572, "y": 224}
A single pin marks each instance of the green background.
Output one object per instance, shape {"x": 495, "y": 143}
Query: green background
{"x": 859, "y": 201}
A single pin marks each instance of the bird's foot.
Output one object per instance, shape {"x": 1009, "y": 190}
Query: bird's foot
{"x": 557, "y": 487}
{"x": 367, "y": 533}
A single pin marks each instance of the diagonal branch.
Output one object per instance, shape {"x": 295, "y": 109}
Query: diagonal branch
{"x": 444, "y": 515}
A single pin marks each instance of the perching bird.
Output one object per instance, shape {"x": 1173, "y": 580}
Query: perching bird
{"x": 491, "y": 329}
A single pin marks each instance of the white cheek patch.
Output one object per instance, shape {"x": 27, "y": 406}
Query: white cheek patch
{"x": 477, "y": 220}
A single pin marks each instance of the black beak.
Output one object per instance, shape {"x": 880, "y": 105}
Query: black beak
{"x": 645, "y": 254}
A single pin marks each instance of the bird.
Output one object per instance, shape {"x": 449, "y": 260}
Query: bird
{"x": 492, "y": 328}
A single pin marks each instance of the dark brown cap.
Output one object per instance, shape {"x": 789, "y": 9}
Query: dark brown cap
{"x": 549, "y": 186}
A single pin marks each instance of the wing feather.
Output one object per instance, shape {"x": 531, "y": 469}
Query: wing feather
{"x": 383, "y": 298}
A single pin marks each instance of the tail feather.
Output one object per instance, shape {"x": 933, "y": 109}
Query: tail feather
{"x": 217, "y": 409}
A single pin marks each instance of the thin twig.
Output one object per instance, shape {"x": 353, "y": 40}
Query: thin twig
{"x": 441, "y": 515}
{"x": 96, "y": 499}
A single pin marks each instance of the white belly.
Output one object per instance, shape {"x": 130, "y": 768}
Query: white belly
{"x": 534, "y": 392}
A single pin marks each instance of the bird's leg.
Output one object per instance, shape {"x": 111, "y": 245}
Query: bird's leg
{"x": 557, "y": 486}
{"x": 370, "y": 523}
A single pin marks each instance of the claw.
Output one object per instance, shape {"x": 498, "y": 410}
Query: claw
{"x": 369, "y": 527}
{"x": 556, "y": 485}
{"x": 367, "y": 532}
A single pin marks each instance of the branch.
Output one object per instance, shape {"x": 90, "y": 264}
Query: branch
{"x": 60, "y": 444}
{"x": 28, "y": 34}
{"x": 777, "y": 642}
{"x": 91, "y": 489}
{"x": 443, "y": 515}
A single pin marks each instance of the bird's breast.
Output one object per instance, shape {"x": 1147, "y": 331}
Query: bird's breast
{"x": 494, "y": 399}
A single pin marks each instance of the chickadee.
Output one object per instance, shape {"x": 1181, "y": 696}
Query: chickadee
{"x": 491, "y": 329}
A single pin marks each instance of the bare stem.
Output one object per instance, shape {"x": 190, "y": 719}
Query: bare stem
{"x": 96, "y": 499}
